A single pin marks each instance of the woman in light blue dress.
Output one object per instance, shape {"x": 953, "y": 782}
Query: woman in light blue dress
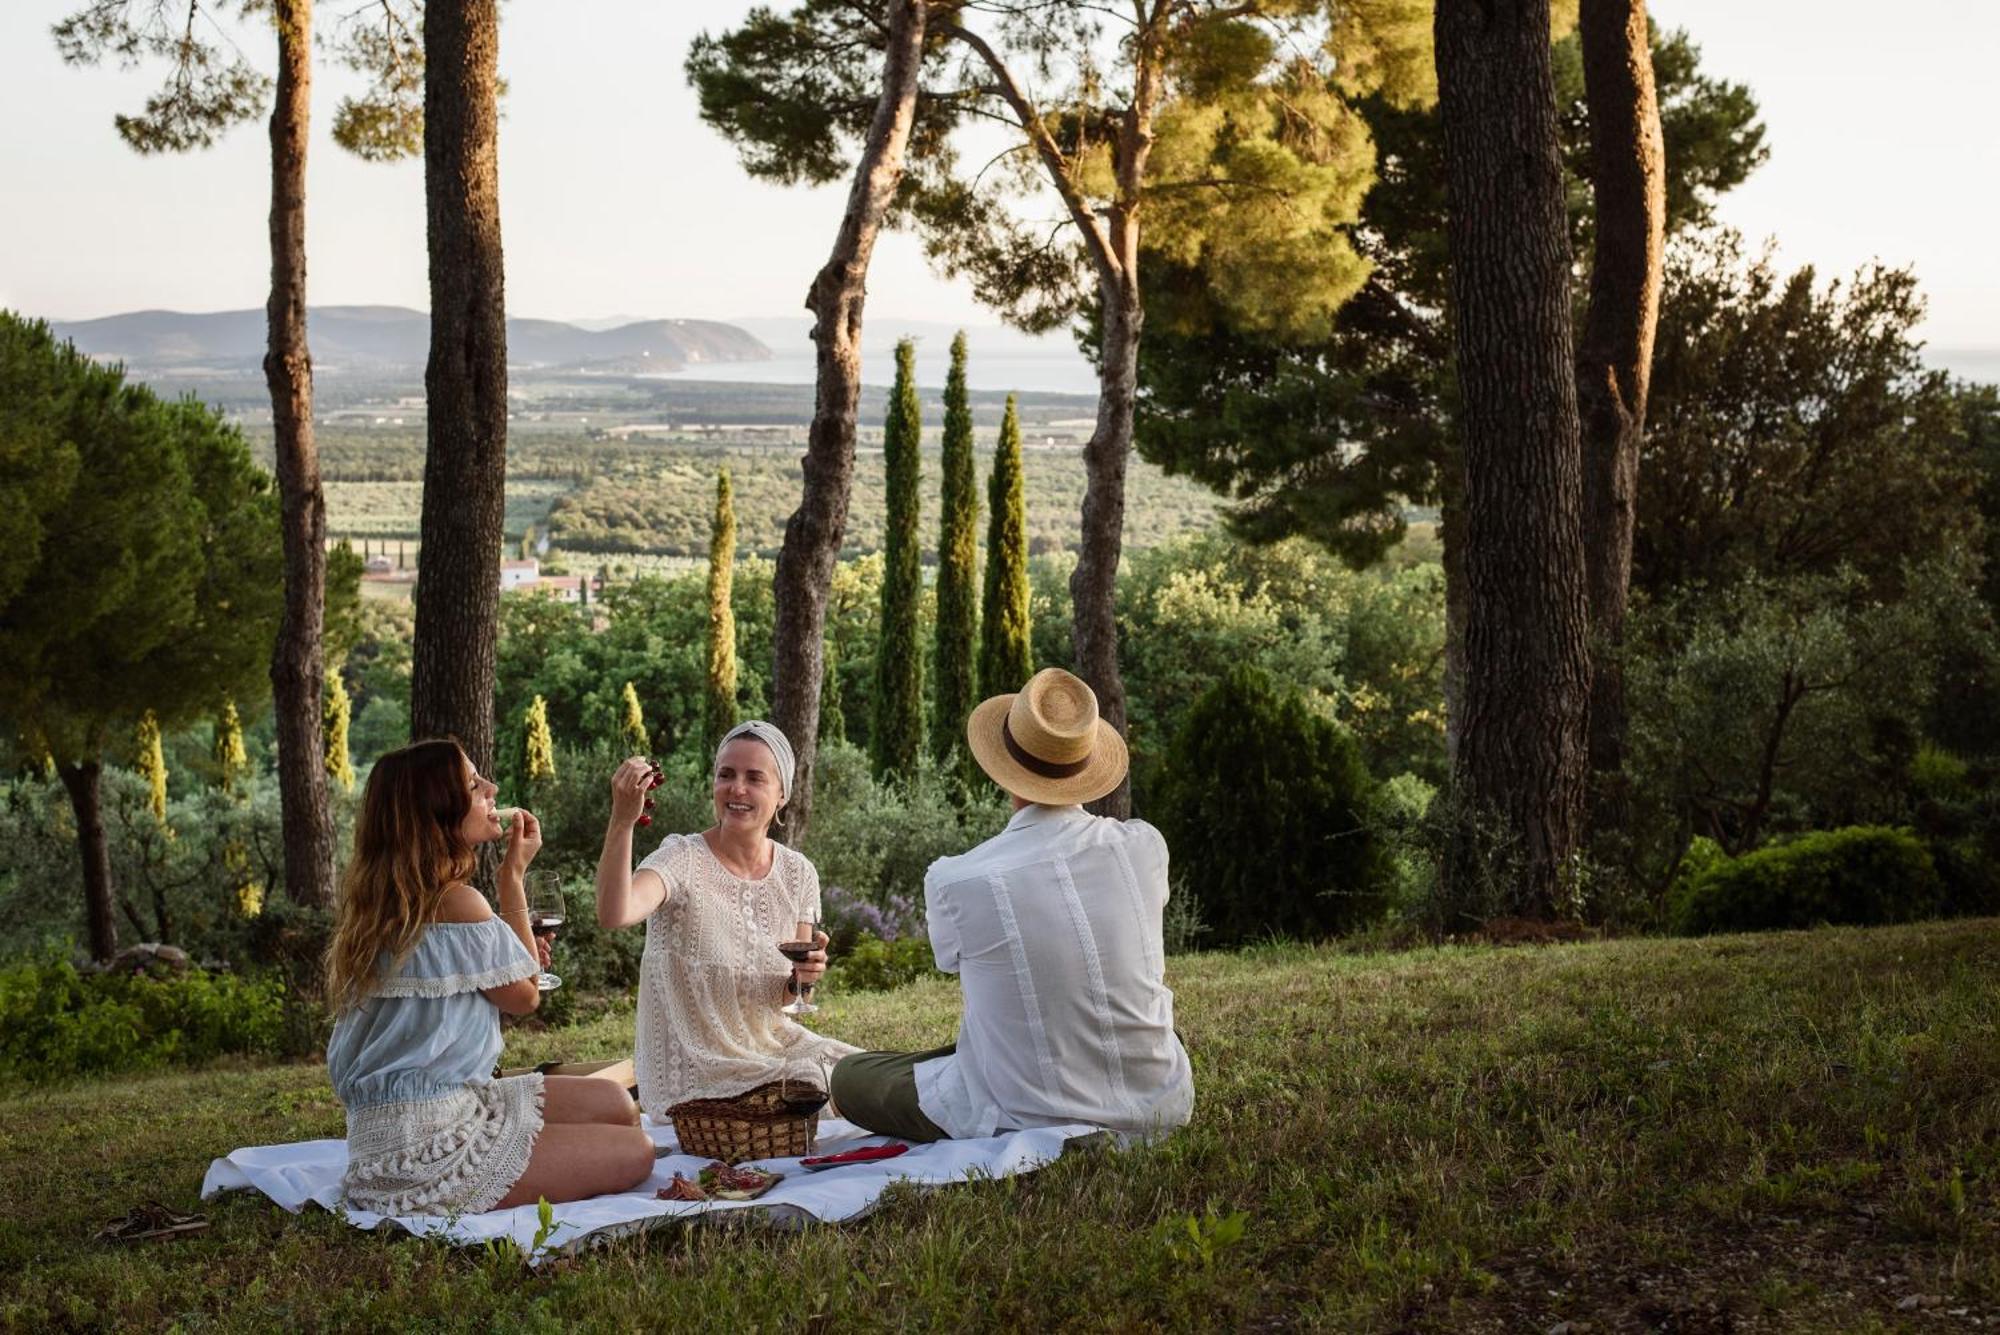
{"x": 420, "y": 970}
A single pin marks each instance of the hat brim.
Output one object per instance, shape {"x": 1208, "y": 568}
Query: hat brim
{"x": 1104, "y": 771}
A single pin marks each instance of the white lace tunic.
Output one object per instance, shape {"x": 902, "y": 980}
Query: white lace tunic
{"x": 712, "y": 980}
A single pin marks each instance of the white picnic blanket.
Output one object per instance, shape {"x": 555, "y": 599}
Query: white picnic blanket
{"x": 308, "y": 1172}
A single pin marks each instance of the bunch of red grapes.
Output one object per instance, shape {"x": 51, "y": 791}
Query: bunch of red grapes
{"x": 653, "y": 780}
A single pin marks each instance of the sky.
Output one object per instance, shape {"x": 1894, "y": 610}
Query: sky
{"x": 617, "y": 200}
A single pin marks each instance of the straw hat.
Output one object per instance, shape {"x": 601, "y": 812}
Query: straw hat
{"x": 1046, "y": 743}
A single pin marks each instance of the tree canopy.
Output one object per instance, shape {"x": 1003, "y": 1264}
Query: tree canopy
{"x": 156, "y": 581}
{"x": 1332, "y": 437}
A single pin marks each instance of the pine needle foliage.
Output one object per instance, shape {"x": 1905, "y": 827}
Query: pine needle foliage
{"x": 896, "y": 739}
{"x": 1005, "y": 659}
{"x": 721, "y": 708}
{"x": 958, "y": 573}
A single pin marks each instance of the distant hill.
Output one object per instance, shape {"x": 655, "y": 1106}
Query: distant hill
{"x": 377, "y": 338}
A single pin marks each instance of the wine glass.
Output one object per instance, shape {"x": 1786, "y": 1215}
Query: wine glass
{"x": 796, "y": 951}
{"x": 545, "y": 917}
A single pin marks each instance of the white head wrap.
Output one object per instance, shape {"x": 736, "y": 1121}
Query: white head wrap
{"x": 768, "y": 734}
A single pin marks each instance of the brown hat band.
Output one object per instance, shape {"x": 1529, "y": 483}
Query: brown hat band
{"x": 1048, "y": 769}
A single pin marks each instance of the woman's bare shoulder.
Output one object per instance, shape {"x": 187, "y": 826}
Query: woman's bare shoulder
{"x": 463, "y": 903}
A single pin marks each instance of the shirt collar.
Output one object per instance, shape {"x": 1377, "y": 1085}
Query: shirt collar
{"x": 1037, "y": 814}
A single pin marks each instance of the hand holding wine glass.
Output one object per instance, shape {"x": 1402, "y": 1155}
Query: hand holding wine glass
{"x": 546, "y": 914}
{"x": 807, "y": 952}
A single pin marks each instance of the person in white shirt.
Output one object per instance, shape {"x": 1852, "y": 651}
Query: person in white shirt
{"x": 1054, "y": 928}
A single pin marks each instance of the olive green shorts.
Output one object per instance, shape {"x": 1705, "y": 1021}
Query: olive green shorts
{"x": 878, "y": 1090}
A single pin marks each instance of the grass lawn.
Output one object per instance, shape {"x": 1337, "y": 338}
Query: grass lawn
{"x": 1796, "y": 1131}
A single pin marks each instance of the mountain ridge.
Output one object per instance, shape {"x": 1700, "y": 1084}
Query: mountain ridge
{"x": 372, "y": 338}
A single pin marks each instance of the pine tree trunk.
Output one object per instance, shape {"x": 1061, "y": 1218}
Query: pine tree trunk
{"x": 1615, "y": 355}
{"x": 81, "y": 781}
{"x": 297, "y": 668}
{"x": 458, "y": 579}
{"x": 1451, "y": 541}
{"x": 1093, "y": 585}
{"x": 815, "y": 531}
{"x": 1522, "y": 766}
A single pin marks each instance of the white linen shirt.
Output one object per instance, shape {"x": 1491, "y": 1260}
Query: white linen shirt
{"x": 1053, "y": 926}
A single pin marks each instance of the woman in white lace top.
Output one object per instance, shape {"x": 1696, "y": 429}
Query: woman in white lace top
{"x": 716, "y": 904}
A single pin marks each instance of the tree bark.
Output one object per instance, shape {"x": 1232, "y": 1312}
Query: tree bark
{"x": 297, "y": 670}
{"x": 1451, "y": 541}
{"x": 1615, "y": 355}
{"x": 465, "y": 381}
{"x": 1521, "y": 768}
{"x": 816, "y": 530}
{"x": 81, "y": 781}
{"x": 1111, "y": 240}
{"x": 1093, "y": 585}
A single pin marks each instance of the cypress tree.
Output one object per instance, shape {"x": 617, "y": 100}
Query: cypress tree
{"x": 153, "y": 765}
{"x": 333, "y": 723}
{"x": 1005, "y": 661}
{"x": 832, "y": 719}
{"x": 721, "y": 712}
{"x": 632, "y": 727}
{"x": 896, "y": 737}
{"x": 541, "y": 748}
{"x": 958, "y": 571}
{"x": 230, "y": 757}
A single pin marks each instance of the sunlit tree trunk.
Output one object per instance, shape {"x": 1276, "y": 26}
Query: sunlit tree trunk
{"x": 816, "y": 530}
{"x": 297, "y": 666}
{"x": 465, "y": 463}
{"x": 1614, "y": 356}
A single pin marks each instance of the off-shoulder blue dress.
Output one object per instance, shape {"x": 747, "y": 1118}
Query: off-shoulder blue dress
{"x": 429, "y": 1129}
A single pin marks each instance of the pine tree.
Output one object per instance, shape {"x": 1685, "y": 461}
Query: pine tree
{"x": 333, "y": 723}
{"x": 958, "y": 573}
{"x": 541, "y": 748}
{"x": 896, "y": 739}
{"x": 721, "y": 711}
{"x": 632, "y": 727}
{"x": 153, "y": 765}
{"x": 230, "y": 758}
{"x": 1005, "y": 660}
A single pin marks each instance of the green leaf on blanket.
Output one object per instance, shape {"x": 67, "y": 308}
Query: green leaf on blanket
{"x": 547, "y": 1226}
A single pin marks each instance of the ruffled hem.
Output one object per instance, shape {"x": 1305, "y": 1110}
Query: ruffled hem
{"x": 451, "y": 984}
{"x": 454, "y": 1155}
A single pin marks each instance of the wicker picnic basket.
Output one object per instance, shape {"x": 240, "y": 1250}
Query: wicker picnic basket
{"x": 767, "y": 1122}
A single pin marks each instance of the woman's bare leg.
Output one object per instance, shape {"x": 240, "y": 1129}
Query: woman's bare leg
{"x": 573, "y": 1160}
{"x": 585, "y": 1098}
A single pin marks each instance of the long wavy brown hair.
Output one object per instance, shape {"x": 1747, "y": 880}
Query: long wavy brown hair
{"x": 409, "y": 847}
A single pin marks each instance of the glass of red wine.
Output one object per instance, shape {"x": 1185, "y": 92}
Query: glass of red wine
{"x": 796, "y": 951}
{"x": 546, "y": 914}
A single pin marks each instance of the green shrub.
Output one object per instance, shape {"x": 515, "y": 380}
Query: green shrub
{"x": 875, "y": 965}
{"x": 56, "y": 1022}
{"x": 1265, "y": 807}
{"x": 1863, "y": 874}
{"x": 877, "y": 839}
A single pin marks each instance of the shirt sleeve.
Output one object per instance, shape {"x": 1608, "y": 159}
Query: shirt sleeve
{"x": 454, "y": 957}
{"x": 669, "y": 861}
{"x": 944, "y": 931}
{"x": 805, "y": 892}
{"x": 1151, "y": 863}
